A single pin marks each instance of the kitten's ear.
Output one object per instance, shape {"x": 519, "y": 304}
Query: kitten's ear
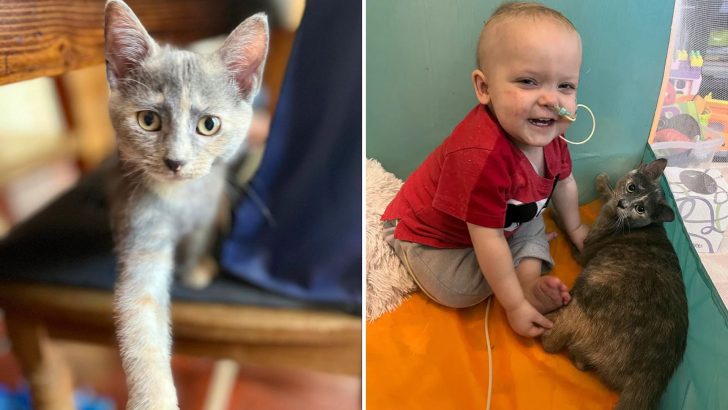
{"x": 664, "y": 213}
{"x": 127, "y": 42}
{"x": 654, "y": 169}
{"x": 244, "y": 53}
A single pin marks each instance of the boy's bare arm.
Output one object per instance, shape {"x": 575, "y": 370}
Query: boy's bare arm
{"x": 566, "y": 200}
{"x": 496, "y": 263}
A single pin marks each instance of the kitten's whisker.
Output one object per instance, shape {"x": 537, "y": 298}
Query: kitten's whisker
{"x": 619, "y": 224}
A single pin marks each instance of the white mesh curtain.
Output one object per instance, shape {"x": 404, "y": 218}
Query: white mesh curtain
{"x": 693, "y": 116}
{"x": 702, "y": 26}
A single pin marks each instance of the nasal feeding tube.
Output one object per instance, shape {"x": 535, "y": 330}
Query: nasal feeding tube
{"x": 564, "y": 113}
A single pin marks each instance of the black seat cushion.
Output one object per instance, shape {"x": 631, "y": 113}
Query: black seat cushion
{"x": 69, "y": 243}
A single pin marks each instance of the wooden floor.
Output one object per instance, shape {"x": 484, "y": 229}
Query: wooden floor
{"x": 203, "y": 383}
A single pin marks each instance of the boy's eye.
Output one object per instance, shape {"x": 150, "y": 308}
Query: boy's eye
{"x": 640, "y": 209}
{"x": 631, "y": 187}
{"x": 567, "y": 86}
{"x": 527, "y": 81}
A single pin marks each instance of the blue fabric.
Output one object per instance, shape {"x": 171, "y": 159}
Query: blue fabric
{"x": 311, "y": 173}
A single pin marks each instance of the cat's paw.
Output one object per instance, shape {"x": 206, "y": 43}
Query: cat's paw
{"x": 201, "y": 275}
{"x": 601, "y": 182}
{"x": 167, "y": 401}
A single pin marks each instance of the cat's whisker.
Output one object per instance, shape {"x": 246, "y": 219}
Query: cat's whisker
{"x": 619, "y": 224}
{"x": 612, "y": 225}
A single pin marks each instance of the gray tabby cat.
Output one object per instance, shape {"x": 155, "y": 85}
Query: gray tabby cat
{"x": 628, "y": 316}
{"x": 179, "y": 118}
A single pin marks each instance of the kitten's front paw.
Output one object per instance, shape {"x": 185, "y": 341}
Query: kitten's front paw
{"x": 201, "y": 275}
{"x": 135, "y": 403}
{"x": 154, "y": 393}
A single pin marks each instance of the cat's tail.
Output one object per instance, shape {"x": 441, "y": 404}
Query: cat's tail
{"x": 642, "y": 394}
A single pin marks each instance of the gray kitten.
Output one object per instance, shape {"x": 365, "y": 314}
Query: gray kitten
{"x": 179, "y": 118}
{"x": 628, "y": 317}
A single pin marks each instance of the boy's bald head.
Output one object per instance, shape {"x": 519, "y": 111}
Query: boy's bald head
{"x": 507, "y": 12}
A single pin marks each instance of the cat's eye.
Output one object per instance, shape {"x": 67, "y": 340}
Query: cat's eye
{"x": 149, "y": 120}
{"x": 640, "y": 209}
{"x": 208, "y": 125}
{"x": 631, "y": 187}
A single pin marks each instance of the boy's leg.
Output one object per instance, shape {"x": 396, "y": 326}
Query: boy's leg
{"x": 450, "y": 277}
{"x": 531, "y": 259}
{"x": 544, "y": 292}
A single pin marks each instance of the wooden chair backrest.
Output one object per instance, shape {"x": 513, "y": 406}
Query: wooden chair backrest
{"x": 50, "y": 37}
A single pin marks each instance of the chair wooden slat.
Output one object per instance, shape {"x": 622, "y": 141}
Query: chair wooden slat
{"x": 314, "y": 339}
{"x": 47, "y": 38}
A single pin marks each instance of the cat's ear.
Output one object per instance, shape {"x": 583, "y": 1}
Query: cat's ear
{"x": 127, "y": 42}
{"x": 664, "y": 212}
{"x": 654, "y": 169}
{"x": 244, "y": 53}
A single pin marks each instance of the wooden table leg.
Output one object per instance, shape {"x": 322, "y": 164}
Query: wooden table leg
{"x": 49, "y": 377}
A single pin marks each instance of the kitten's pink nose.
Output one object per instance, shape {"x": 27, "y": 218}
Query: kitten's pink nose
{"x": 174, "y": 165}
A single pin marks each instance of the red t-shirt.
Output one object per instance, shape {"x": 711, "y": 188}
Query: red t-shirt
{"x": 476, "y": 175}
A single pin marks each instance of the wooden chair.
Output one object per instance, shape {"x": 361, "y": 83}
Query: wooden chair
{"x": 49, "y": 38}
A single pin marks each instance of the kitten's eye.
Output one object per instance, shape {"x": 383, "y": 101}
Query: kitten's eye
{"x": 640, "y": 209}
{"x": 149, "y": 120}
{"x": 631, "y": 187}
{"x": 208, "y": 125}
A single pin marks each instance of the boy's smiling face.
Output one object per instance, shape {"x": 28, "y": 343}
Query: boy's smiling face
{"x": 529, "y": 65}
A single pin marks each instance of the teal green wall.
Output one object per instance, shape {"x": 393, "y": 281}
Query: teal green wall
{"x": 420, "y": 53}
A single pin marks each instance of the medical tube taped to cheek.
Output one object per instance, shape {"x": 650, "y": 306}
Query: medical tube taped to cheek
{"x": 563, "y": 112}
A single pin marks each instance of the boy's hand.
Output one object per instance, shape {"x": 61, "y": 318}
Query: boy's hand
{"x": 578, "y": 236}
{"x": 527, "y": 321}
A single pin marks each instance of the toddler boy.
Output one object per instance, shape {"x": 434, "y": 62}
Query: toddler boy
{"x": 467, "y": 223}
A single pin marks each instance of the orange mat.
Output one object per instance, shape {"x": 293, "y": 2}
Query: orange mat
{"x": 426, "y": 356}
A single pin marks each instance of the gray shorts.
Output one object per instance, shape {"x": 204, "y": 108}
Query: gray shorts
{"x": 452, "y": 277}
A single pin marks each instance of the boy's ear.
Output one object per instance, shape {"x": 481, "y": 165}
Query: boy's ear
{"x": 480, "y": 84}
